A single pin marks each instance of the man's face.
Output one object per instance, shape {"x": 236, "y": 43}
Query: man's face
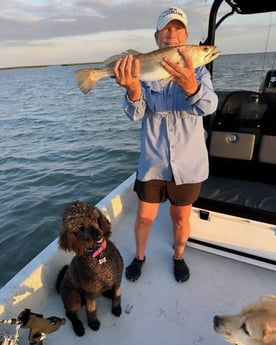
{"x": 173, "y": 34}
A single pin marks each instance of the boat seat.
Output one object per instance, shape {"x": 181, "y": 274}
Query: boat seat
{"x": 269, "y": 81}
{"x": 240, "y": 109}
{"x": 236, "y": 127}
{"x": 243, "y": 159}
{"x": 268, "y": 89}
{"x": 267, "y": 149}
{"x": 239, "y": 197}
{"x": 233, "y": 145}
{"x": 267, "y": 152}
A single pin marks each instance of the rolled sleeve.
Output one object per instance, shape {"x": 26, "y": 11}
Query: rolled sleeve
{"x": 205, "y": 101}
{"x": 134, "y": 110}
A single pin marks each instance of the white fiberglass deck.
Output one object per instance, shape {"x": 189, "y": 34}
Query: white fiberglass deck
{"x": 165, "y": 311}
{"x": 156, "y": 309}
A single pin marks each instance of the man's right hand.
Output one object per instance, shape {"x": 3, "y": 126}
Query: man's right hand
{"x": 126, "y": 72}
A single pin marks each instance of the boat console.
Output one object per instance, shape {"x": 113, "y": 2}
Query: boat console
{"x": 242, "y": 153}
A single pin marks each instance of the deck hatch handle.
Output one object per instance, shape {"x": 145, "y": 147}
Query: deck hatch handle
{"x": 204, "y": 215}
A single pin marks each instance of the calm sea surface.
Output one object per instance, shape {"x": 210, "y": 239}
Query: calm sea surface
{"x": 57, "y": 145}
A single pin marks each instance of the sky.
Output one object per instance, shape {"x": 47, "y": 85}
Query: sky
{"x": 39, "y": 32}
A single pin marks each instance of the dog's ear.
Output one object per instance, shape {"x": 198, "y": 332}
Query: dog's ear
{"x": 64, "y": 239}
{"x": 104, "y": 224}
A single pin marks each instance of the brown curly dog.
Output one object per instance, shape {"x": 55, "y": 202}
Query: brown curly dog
{"x": 96, "y": 269}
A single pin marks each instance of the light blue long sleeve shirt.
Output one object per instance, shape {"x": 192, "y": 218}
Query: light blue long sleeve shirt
{"x": 173, "y": 141}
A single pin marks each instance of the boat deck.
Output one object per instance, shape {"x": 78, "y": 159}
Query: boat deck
{"x": 156, "y": 309}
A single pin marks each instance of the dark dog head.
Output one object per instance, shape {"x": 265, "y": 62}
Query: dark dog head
{"x": 84, "y": 227}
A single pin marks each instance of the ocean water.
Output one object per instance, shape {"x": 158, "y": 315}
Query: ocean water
{"x": 58, "y": 145}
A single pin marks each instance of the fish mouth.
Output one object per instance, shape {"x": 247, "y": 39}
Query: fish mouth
{"x": 214, "y": 53}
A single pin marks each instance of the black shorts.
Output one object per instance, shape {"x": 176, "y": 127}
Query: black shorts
{"x": 157, "y": 191}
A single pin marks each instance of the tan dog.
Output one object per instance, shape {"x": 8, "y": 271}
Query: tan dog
{"x": 254, "y": 325}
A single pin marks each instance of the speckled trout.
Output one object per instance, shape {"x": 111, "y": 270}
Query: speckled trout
{"x": 151, "y": 69}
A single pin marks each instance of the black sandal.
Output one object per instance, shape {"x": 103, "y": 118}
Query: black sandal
{"x": 181, "y": 270}
{"x": 133, "y": 271}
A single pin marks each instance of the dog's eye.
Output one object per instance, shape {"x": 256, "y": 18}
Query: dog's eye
{"x": 244, "y": 328}
{"x": 82, "y": 228}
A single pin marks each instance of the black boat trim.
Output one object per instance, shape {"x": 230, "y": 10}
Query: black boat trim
{"x": 232, "y": 251}
{"x": 236, "y": 210}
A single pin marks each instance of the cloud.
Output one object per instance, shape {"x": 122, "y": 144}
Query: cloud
{"x": 58, "y": 31}
{"x": 53, "y": 19}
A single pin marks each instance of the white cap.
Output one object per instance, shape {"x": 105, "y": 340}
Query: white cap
{"x": 172, "y": 13}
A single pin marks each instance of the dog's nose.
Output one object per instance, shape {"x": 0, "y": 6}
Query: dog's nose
{"x": 94, "y": 232}
{"x": 216, "y": 321}
{"x": 97, "y": 235}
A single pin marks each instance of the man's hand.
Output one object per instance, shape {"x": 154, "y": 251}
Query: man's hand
{"x": 182, "y": 76}
{"x": 126, "y": 72}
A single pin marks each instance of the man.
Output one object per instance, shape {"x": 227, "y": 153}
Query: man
{"x": 173, "y": 160}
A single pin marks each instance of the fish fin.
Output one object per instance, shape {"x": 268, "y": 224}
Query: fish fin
{"x": 112, "y": 59}
{"x": 133, "y": 52}
{"x": 85, "y": 79}
{"x": 116, "y": 57}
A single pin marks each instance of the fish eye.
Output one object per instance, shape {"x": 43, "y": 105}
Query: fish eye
{"x": 244, "y": 328}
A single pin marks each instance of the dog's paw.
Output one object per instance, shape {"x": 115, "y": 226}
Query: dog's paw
{"x": 117, "y": 311}
{"x": 76, "y": 323}
{"x": 94, "y": 325}
{"x": 78, "y": 328}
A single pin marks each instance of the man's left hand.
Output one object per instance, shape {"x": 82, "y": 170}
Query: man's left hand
{"x": 182, "y": 74}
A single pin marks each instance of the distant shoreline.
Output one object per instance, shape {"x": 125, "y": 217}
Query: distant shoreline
{"x": 44, "y": 66}
{"x": 19, "y": 67}
{"x": 101, "y": 62}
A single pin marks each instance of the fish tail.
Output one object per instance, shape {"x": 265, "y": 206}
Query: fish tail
{"x": 87, "y": 78}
